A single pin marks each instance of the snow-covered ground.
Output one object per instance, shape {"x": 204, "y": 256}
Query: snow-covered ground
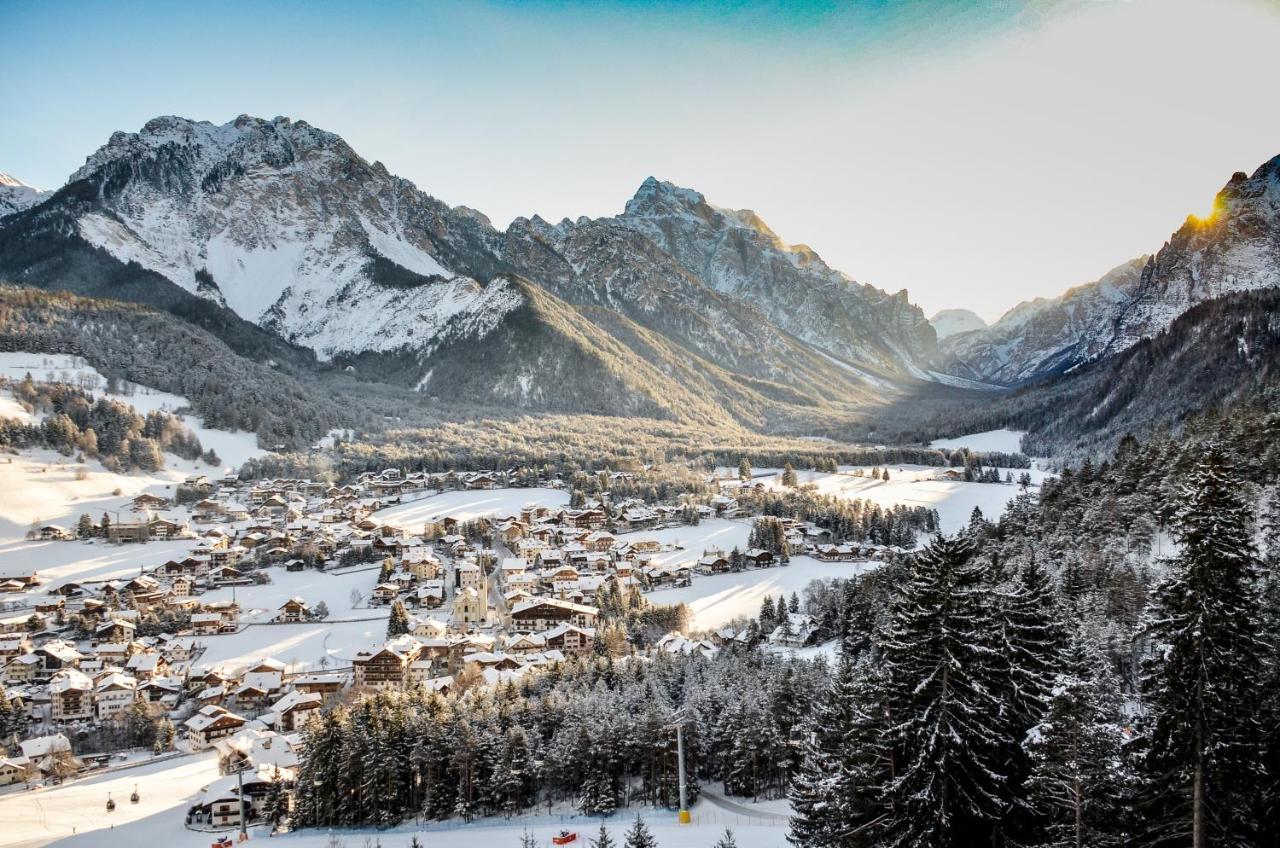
{"x": 299, "y": 646}
{"x": 59, "y": 562}
{"x": 75, "y": 813}
{"x": 716, "y": 533}
{"x": 1003, "y": 441}
{"x": 718, "y": 598}
{"x": 466, "y": 505}
{"x": 232, "y": 448}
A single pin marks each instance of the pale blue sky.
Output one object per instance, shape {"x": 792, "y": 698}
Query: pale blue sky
{"x": 973, "y": 153}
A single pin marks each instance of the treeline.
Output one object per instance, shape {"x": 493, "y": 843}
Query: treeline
{"x": 106, "y": 429}
{"x": 847, "y": 519}
{"x": 595, "y": 733}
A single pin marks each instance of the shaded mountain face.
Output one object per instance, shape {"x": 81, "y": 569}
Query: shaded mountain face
{"x": 274, "y": 225}
{"x": 15, "y": 195}
{"x": 1236, "y": 249}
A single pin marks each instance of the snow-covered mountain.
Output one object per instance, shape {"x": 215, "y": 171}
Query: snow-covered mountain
{"x": 949, "y": 322}
{"x": 284, "y": 227}
{"x": 1236, "y": 249}
{"x": 735, "y": 252}
{"x": 15, "y": 195}
{"x": 1041, "y": 336}
{"x": 288, "y": 227}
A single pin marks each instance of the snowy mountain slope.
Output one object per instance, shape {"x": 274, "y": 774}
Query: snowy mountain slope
{"x": 288, "y": 227}
{"x": 1235, "y": 249}
{"x": 16, "y": 195}
{"x": 949, "y": 322}
{"x": 1041, "y": 336}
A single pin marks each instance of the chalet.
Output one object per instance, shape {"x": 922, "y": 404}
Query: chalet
{"x": 145, "y": 666}
{"x": 209, "y": 724}
{"x": 71, "y": 696}
{"x": 293, "y": 710}
{"x": 115, "y": 630}
{"x": 758, "y": 558}
{"x": 385, "y": 667}
{"x": 294, "y": 611}
{"x": 55, "y": 533}
{"x": 570, "y": 639}
{"x": 163, "y": 528}
{"x": 113, "y": 693}
{"x": 384, "y": 593}
{"x": 321, "y": 683}
{"x": 146, "y": 501}
{"x": 13, "y": 770}
{"x": 714, "y": 562}
{"x": 206, "y": 623}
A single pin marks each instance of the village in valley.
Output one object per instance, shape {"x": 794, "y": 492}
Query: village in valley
{"x": 234, "y": 610}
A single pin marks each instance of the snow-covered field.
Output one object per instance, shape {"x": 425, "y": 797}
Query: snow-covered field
{"x": 60, "y": 562}
{"x": 299, "y": 645}
{"x": 718, "y": 598}
{"x": 75, "y": 813}
{"x": 716, "y": 533}
{"x": 232, "y": 448}
{"x": 467, "y": 505}
{"x": 1003, "y": 441}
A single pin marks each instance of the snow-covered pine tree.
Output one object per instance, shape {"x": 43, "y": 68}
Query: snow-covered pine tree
{"x": 398, "y": 622}
{"x": 727, "y": 840}
{"x": 837, "y": 790}
{"x": 1027, "y": 636}
{"x": 603, "y": 839}
{"x": 1075, "y": 790}
{"x": 1202, "y": 764}
{"x": 639, "y": 835}
{"x": 949, "y": 789}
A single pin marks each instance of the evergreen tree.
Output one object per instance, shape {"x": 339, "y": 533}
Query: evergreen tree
{"x": 949, "y": 789}
{"x": 727, "y": 840}
{"x": 1075, "y": 788}
{"x": 398, "y": 622}
{"x": 744, "y": 469}
{"x": 603, "y": 839}
{"x": 639, "y": 835}
{"x": 789, "y": 475}
{"x": 1202, "y": 765}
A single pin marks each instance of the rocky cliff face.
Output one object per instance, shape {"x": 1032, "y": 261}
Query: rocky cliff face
{"x": 735, "y": 253}
{"x": 1042, "y": 336}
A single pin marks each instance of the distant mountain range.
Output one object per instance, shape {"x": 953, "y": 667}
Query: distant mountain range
{"x": 283, "y": 241}
{"x": 671, "y": 307}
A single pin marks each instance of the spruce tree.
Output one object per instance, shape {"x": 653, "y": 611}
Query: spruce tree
{"x": 949, "y": 787}
{"x": 398, "y": 622}
{"x": 1202, "y": 765}
{"x": 603, "y": 840}
{"x": 1076, "y": 787}
{"x": 639, "y": 835}
{"x": 727, "y": 840}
